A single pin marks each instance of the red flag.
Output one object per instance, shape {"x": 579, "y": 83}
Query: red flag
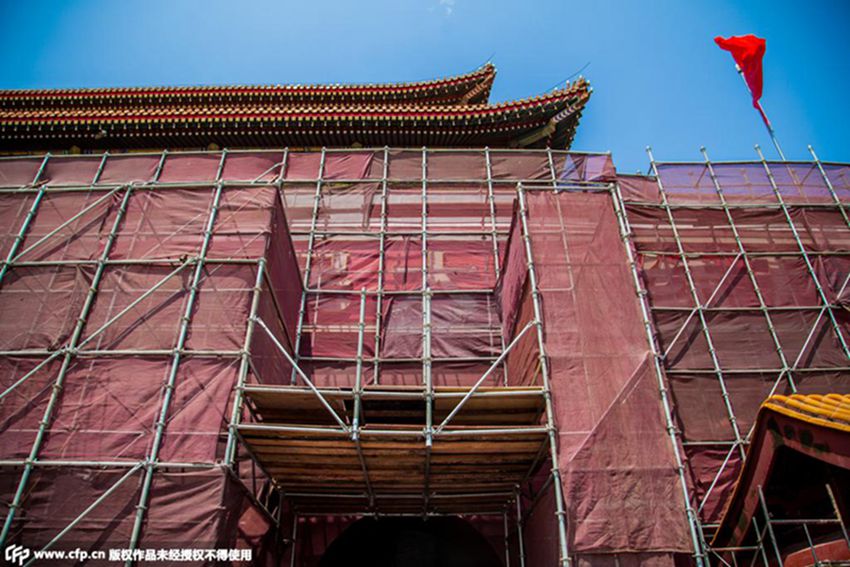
{"x": 748, "y": 52}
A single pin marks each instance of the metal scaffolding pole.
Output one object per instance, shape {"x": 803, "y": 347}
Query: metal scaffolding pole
{"x": 786, "y": 369}
{"x": 841, "y": 206}
{"x": 507, "y": 540}
{"x": 171, "y": 380}
{"x": 771, "y": 522}
{"x": 68, "y": 222}
{"x": 244, "y": 366}
{"x": 22, "y": 232}
{"x": 809, "y": 267}
{"x": 79, "y": 518}
{"x": 21, "y": 235}
{"x": 769, "y": 526}
{"x": 294, "y": 540}
{"x": 358, "y": 395}
{"x": 76, "y": 349}
{"x": 519, "y": 536}
{"x": 491, "y": 202}
{"x": 69, "y": 354}
{"x": 308, "y": 264}
{"x": 299, "y": 372}
{"x": 560, "y": 508}
{"x": 426, "y": 339}
{"x": 382, "y": 263}
{"x": 245, "y": 356}
{"x": 700, "y": 309}
{"x": 657, "y": 358}
{"x": 473, "y": 391}
{"x": 842, "y": 209}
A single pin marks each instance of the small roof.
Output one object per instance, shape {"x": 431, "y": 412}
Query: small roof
{"x": 815, "y": 425}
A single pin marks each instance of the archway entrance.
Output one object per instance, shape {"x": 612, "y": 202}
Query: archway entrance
{"x": 411, "y": 542}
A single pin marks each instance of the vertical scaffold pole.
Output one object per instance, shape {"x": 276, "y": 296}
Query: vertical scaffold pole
{"x": 770, "y": 533}
{"x": 759, "y": 544}
{"x": 809, "y": 267}
{"x": 491, "y": 200}
{"x": 560, "y": 509}
{"x": 294, "y": 540}
{"x": 520, "y": 542}
{"x": 507, "y": 539}
{"x": 382, "y": 252}
{"x": 830, "y": 187}
{"x": 22, "y": 232}
{"x": 643, "y": 301}
{"x": 37, "y": 178}
{"x": 244, "y": 366}
{"x": 699, "y": 307}
{"x": 308, "y": 264}
{"x": 245, "y": 361}
{"x": 786, "y": 369}
{"x": 100, "y": 166}
{"x": 171, "y": 380}
{"x": 426, "y": 340}
{"x": 160, "y": 164}
{"x": 70, "y": 353}
{"x": 837, "y": 511}
{"x": 358, "y": 399}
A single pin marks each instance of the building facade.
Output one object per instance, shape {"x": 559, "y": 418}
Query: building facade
{"x": 399, "y": 325}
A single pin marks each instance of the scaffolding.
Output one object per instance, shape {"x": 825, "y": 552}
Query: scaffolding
{"x": 741, "y": 267}
{"x": 68, "y": 206}
{"x": 389, "y": 346}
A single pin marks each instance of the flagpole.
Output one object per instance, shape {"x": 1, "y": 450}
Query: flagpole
{"x": 766, "y": 120}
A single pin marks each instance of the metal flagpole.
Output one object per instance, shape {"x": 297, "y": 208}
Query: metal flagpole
{"x": 766, "y": 120}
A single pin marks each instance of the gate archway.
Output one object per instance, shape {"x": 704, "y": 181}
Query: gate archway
{"x": 411, "y": 542}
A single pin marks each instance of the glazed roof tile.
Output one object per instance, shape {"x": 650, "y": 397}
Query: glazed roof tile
{"x": 474, "y": 86}
{"x": 548, "y": 119}
{"x": 555, "y": 99}
{"x": 828, "y": 410}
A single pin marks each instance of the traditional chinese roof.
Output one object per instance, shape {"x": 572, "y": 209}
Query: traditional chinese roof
{"x": 816, "y": 426}
{"x": 450, "y": 112}
{"x": 470, "y": 88}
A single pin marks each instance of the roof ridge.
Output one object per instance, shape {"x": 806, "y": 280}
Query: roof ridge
{"x": 482, "y": 74}
{"x": 554, "y": 96}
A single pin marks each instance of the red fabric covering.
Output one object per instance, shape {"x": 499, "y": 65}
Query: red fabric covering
{"x": 71, "y": 171}
{"x": 185, "y": 512}
{"x": 109, "y": 405}
{"x": 606, "y": 400}
{"x": 16, "y": 172}
{"x": 129, "y": 168}
{"x": 615, "y": 456}
{"x": 741, "y": 337}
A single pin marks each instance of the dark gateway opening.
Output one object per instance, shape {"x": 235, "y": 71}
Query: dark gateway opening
{"x": 411, "y": 542}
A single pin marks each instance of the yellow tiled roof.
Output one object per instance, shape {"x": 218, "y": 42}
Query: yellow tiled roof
{"x": 827, "y": 410}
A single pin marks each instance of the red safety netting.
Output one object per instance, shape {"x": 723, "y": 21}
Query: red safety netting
{"x": 615, "y": 457}
{"x": 184, "y": 512}
{"x": 109, "y": 271}
{"x": 762, "y": 307}
{"x": 614, "y": 452}
{"x": 467, "y": 216}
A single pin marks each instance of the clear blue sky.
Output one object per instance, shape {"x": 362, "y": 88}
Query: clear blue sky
{"x": 658, "y": 78}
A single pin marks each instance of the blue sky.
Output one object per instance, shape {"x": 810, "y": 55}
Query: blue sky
{"x": 658, "y": 78}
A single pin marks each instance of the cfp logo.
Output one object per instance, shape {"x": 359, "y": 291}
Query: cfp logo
{"x": 17, "y": 554}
